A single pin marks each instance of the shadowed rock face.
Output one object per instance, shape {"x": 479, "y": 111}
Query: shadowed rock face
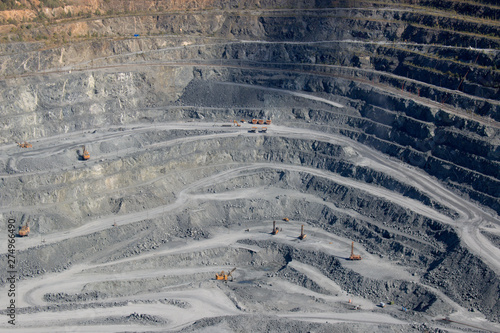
{"x": 384, "y": 131}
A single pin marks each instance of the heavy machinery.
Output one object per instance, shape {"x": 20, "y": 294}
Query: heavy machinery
{"x": 236, "y": 123}
{"x": 286, "y": 219}
{"x": 25, "y": 145}
{"x": 254, "y": 121}
{"x": 242, "y": 120}
{"x": 223, "y": 276}
{"x": 261, "y": 121}
{"x": 302, "y": 234}
{"x": 263, "y": 129}
{"x": 275, "y": 229}
{"x": 254, "y": 129}
{"x": 268, "y": 122}
{"x": 25, "y": 230}
{"x": 85, "y": 153}
{"x": 354, "y": 256}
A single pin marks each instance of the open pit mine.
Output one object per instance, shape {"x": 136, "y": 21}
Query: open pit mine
{"x": 250, "y": 166}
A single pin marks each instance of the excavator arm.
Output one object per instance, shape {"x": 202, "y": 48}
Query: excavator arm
{"x": 230, "y": 274}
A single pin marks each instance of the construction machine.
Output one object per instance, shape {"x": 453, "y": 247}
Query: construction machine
{"x": 275, "y": 229}
{"x": 354, "y": 256}
{"x": 25, "y": 145}
{"x": 268, "y": 122}
{"x": 85, "y": 153}
{"x": 25, "y": 230}
{"x": 236, "y": 123}
{"x": 224, "y": 276}
{"x": 286, "y": 219}
{"x": 264, "y": 129}
{"x": 261, "y": 121}
{"x": 242, "y": 120}
{"x": 302, "y": 234}
{"x": 254, "y": 129}
{"x": 254, "y": 121}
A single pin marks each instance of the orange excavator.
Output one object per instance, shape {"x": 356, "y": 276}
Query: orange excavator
{"x": 254, "y": 121}
{"x": 275, "y": 229}
{"x": 286, "y": 219}
{"x": 268, "y": 122}
{"x": 223, "y": 276}
{"x": 85, "y": 154}
{"x": 261, "y": 121}
{"x": 302, "y": 234}
{"x": 236, "y": 123}
{"x": 25, "y": 230}
{"x": 254, "y": 129}
{"x": 354, "y": 256}
{"x": 263, "y": 129}
{"x": 25, "y": 145}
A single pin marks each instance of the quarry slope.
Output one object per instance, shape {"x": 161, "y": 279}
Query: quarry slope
{"x": 384, "y": 134}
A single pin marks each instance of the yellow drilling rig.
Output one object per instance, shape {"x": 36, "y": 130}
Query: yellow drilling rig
{"x": 302, "y": 234}
{"x": 354, "y": 256}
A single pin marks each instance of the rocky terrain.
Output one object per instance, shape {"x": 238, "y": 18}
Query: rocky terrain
{"x": 384, "y": 132}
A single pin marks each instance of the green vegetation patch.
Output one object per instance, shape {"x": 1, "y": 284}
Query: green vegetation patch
{"x": 52, "y": 3}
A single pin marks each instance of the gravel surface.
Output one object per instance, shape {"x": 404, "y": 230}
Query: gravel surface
{"x": 178, "y": 188}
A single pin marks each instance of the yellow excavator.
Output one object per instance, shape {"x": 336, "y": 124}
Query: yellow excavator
{"x": 85, "y": 153}
{"x": 223, "y": 276}
{"x": 25, "y": 230}
{"x": 25, "y": 145}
